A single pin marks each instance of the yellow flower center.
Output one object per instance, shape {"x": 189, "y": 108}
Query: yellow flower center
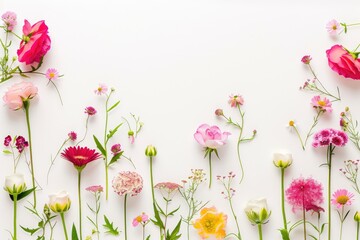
{"x": 139, "y": 219}
{"x": 291, "y": 123}
{"x": 322, "y": 103}
{"x": 342, "y": 199}
{"x": 209, "y": 225}
{"x": 52, "y": 75}
{"x": 80, "y": 157}
{"x": 334, "y": 27}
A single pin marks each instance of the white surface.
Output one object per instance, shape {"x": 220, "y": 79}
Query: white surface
{"x": 173, "y": 63}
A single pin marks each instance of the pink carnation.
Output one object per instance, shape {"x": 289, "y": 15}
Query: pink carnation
{"x": 18, "y": 93}
{"x": 7, "y": 140}
{"x": 321, "y": 104}
{"x": 329, "y": 136}
{"x": 210, "y": 136}
{"x": 127, "y": 183}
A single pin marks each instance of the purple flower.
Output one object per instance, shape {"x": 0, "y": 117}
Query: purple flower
{"x": 7, "y": 140}
{"x": 21, "y": 143}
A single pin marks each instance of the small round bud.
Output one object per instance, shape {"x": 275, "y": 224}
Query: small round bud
{"x": 219, "y": 112}
{"x": 357, "y": 216}
{"x": 150, "y": 151}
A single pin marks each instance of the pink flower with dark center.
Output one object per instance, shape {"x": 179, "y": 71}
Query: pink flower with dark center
{"x": 7, "y": 140}
{"x": 235, "y": 100}
{"x": 116, "y": 148}
{"x": 304, "y": 194}
{"x": 9, "y": 19}
{"x": 52, "y": 74}
{"x": 127, "y": 182}
{"x": 306, "y": 59}
{"x": 333, "y": 27}
{"x": 141, "y": 219}
{"x": 95, "y": 188}
{"x": 342, "y": 197}
{"x": 90, "y": 111}
{"x": 72, "y": 135}
{"x": 322, "y": 104}
{"x": 21, "y": 143}
{"x": 102, "y": 89}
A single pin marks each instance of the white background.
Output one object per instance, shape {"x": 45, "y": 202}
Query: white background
{"x": 173, "y": 63}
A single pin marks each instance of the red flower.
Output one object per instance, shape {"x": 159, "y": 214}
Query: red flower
{"x": 80, "y": 156}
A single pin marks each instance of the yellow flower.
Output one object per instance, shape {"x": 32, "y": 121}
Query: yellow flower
{"x": 211, "y": 222}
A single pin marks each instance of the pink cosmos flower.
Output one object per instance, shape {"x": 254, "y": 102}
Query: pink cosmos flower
{"x": 329, "y": 136}
{"x": 9, "y": 19}
{"x": 235, "y": 100}
{"x": 102, "y": 89}
{"x": 321, "y": 104}
{"x": 116, "y": 148}
{"x": 304, "y": 194}
{"x": 210, "y": 136}
{"x": 342, "y": 197}
{"x": 52, "y": 74}
{"x": 18, "y": 93}
{"x": 306, "y": 59}
{"x": 7, "y": 140}
{"x": 72, "y": 135}
{"x": 95, "y": 188}
{"x": 333, "y": 27}
{"x": 90, "y": 111}
{"x": 343, "y": 62}
{"x": 127, "y": 182}
{"x": 35, "y": 42}
{"x": 141, "y": 219}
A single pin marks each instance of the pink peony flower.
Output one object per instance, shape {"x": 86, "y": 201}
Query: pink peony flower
{"x": 306, "y": 59}
{"x": 304, "y": 194}
{"x": 342, "y": 197}
{"x": 343, "y": 62}
{"x": 127, "y": 183}
{"x": 333, "y": 27}
{"x": 19, "y": 93}
{"x": 102, "y": 89}
{"x": 235, "y": 100}
{"x": 95, "y": 188}
{"x": 210, "y": 136}
{"x": 321, "y": 104}
{"x": 7, "y": 140}
{"x": 52, "y": 74}
{"x": 9, "y": 19}
{"x": 72, "y": 135}
{"x": 329, "y": 136}
{"x": 35, "y": 42}
{"x": 90, "y": 111}
{"x": 141, "y": 219}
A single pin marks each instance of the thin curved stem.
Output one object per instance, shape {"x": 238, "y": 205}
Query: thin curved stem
{"x": 238, "y": 236}
{"x": 105, "y": 143}
{"x": 316, "y": 120}
{"x": 58, "y": 92}
{"x": 241, "y": 127}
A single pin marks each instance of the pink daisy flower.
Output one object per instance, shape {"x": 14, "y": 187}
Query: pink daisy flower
{"x": 342, "y": 197}
{"x": 235, "y": 100}
{"x": 321, "y": 104}
{"x": 333, "y": 27}
{"x": 52, "y": 74}
{"x": 102, "y": 89}
{"x": 141, "y": 219}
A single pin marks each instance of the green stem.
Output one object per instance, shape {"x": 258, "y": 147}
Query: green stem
{"x": 241, "y": 127}
{"x": 26, "y": 107}
{"x": 210, "y": 170}
{"x": 235, "y": 218}
{"x": 357, "y": 230}
{"x": 86, "y": 130}
{"x": 15, "y": 213}
{"x": 79, "y": 194}
{"x": 152, "y": 181}
{"x": 143, "y": 232}
{"x": 125, "y": 229}
{"x": 298, "y": 134}
{"x": 329, "y": 155}
{"x": 57, "y": 90}
{"x": 316, "y": 119}
{"x": 304, "y": 220}
{"x": 283, "y": 198}
{"x": 53, "y": 160}
{"x": 64, "y": 225}
{"x": 105, "y": 142}
{"x": 341, "y": 221}
{"x": 260, "y": 231}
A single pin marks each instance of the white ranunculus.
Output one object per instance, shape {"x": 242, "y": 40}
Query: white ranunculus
{"x": 15, "y": 184}
{"x": 282, "y": 160}
{"x": 257, "y": 211}
{"x": 59, "y": 202}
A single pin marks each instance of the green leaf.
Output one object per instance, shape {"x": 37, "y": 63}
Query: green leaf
{"x": 7, "y": 151}
{"x": 148, "y": 237}
{"x": 110, "y": 227}
{"x": 174, "y": 234}
{"x": 158, "y": 222}
{"x": 172, "y": 213}
{"x": 74, "y": 235}
{"x": 113, "y": 106}
{"x": 313, "y": 237}
{"x": 30, "y": 230}
{"x": 284, "y": 234}
{"x": 22, "y": 195}
{"x": 115, "y": 158}
{"x": 99, "y": 146}
{"x": 112, "y": 132}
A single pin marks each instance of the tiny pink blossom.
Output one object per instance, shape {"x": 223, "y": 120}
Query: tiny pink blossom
{"x": 95, "y": 188}
{"x": 21, "y": 143}
{"x": 306, "y": 59}
{"x": 322, "y": 104}
{"x": 333, "y": 27}
{"x": 72, "y": 135}
{"x": 90, "y": 111}
{"x": 102, "y": 89}
{"x": 52, "y": 74}
{"x": 141, "y": 219}
{"x": 235, "y": 100}
{"x": 7, "y": 140}
{"x": 210, "y": 136}
{"x": 9, "y": 19}
{"x": 116, "y": 148}
{"x": 342, "y": 197}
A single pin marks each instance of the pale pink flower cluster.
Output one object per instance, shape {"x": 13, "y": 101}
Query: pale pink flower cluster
{"x": 322, "y": 104}
{"x": 127, "y": 182}
{"x": 95, "y": 188}
{"x": 167, "y": 186}
{"x": 18, "y": 93}
{"x": 329, "y": 136}
{"x": 210, "y": 136}
{"x": 235, "y": 100}
{"x": 333, "y": 27}
{"x": 9, "y": 19}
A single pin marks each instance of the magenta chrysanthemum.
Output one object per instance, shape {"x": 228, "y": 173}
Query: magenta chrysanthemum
{"x": 304, "y": 194}
{"x": 342, "y": 197}
{"x": 329, "y": 136}
{"x": 80, "y": 156}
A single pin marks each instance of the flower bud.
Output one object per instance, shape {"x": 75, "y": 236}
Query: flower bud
{"x": 257, "y": 211}
{"x": 46, "y": 211}
{"x": 15, "y": 184}
{"x": 357, "y": 216}
{"x": 59, "y": 202}
{"x": 150, "y": 151}
{"x": 282, "y": 160}
{"x": 219, "y": 112}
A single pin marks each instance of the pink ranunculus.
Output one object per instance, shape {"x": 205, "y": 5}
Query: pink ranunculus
{"x": 210, "y": 136}
{"x": 343, "y": 62}
{"x": 18, "y": 93}
{"x": 35, "y": 42}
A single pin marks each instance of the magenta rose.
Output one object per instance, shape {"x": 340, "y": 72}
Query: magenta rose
{"x": 18, "y": 93}
{"x": 35, "y": 42}
{"x": 210, "y": 136}
{"x": 343, "y": 62}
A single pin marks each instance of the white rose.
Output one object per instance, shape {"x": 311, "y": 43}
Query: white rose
{"x": 257, "y": 211}
{"x": 59, "y": 202}
{"x": 15, "y": 184}
{"x": 282, "y": 160}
